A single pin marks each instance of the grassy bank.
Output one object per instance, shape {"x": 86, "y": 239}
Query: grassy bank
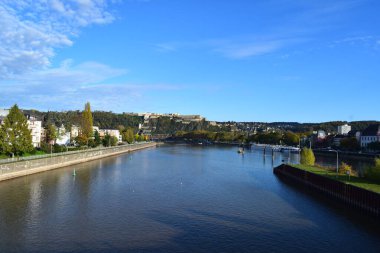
{"x": 37, "y": 152}
{"x": 353, "y": 180}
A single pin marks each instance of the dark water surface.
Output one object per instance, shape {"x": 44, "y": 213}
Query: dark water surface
{"x": 175, "y": 199}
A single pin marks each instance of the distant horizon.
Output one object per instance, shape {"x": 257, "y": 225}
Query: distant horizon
{"x": 268, "y": 61}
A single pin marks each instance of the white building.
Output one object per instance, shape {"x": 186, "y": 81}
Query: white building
{"x": 111, "y": 132}
{"x": 321, "y": 134}
{"x": 74, "y": 132}
{"x": 3, "y": 114}
{"x": 95, "y": 128}
{"x": 191, "y": 118}
{"x": 35, "y": 127}
{"x": 358, "y": 135}
{"x": 344, "y": 129}
{"x": 369, "y": 135}
{"x": 63, "y": 137}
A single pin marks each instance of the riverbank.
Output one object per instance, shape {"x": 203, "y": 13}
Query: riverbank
{"x": 357, "y": 194}
{"x": 347, "y": 154}
{"x": 360, "y": 182}
{"x": 16, "y": 169}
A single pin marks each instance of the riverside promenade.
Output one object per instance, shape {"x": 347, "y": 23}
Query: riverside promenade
{"x": 12, "y": 169}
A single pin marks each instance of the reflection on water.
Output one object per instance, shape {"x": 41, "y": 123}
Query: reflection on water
{"x": 176, "y": 199}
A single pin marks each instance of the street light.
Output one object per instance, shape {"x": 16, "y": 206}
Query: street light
{"x": 337, "y": 160}
{"x": 299, "y": 149}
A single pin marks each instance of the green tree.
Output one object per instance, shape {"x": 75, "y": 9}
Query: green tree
{"x": 307, "y": 156}
{"x": 290, "y": 138}
{"x": 121, "y": 128}
{"x": 109, "y": 140}
{"x": 81, "y": 140}
{"x": 345, "y": 169}
{"x": 268, "y": 138}
{"x": 349, "y": 144}
{"x": 97, "y": 140}
{"x": 113, "y": 141}
{"x": 106, "y": 140}
{"x": 128, "y": 135}
{"x": 15, "y": 137}
{"x": 51, "y": 133}
{"x": 87, "y": 123}
{"x": 373, "y": 173}
{"x": 141, "y": 137}
{"x": 179, "y": 133}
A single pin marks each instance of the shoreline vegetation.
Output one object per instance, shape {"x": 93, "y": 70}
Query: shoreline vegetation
{"x": 15, "y": 137}
{"x": 369, "y": 180}
{"x": 355, "y": 180}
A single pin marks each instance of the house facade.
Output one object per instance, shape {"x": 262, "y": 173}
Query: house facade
{"x": 321, "y": 135}
{"x": 344, "y": 129}
{"x": 369, "y": 135}
{"x": 3, "y": 114}
{"x": 111, "y": 132}
{"x": 63, "y": 137}
{"x": 74, "y": 132}
{"x": 35, "y": 127}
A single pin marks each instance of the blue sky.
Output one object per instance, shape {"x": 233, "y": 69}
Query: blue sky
{"x": 241, "y": 60}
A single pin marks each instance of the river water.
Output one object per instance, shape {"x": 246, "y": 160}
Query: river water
{"x": 176, "y": 198}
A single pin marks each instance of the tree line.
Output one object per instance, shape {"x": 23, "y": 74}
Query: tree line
{"x": 287, "y": 138}
{"x": 16, "y": 137}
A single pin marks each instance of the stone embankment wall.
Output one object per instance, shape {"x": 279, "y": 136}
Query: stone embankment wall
{"x": 15, "y": 169}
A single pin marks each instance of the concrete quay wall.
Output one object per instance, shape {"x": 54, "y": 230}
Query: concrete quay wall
{"x": 23, "y": 168}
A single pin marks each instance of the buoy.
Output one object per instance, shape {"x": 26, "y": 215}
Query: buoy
{"x": 74, "y": 173}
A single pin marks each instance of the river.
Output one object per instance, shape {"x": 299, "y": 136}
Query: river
{"x": 176, "y": 198}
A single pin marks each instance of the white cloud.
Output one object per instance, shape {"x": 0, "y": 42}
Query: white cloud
{"x": 311, "y": 19}
{"x": 368, "y": 41}
{"x": 354, "y": 40}
{"x": 31, "y": 30}
{"x": 69, "y": 86}
{"x": 165, "y": 47}
{"x": 236, "y": 48}
{"x": 240, "y": 51}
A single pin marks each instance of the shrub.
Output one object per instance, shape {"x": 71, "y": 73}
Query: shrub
{"x": 373, "y": 173}
{"x": 345, "y": 169}
{"x": 307, "y": 157}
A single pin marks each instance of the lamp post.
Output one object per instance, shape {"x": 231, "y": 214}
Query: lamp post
{"x": 299, "y": 149}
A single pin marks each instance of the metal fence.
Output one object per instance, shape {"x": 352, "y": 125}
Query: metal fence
{"x": 26, "y": 163}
